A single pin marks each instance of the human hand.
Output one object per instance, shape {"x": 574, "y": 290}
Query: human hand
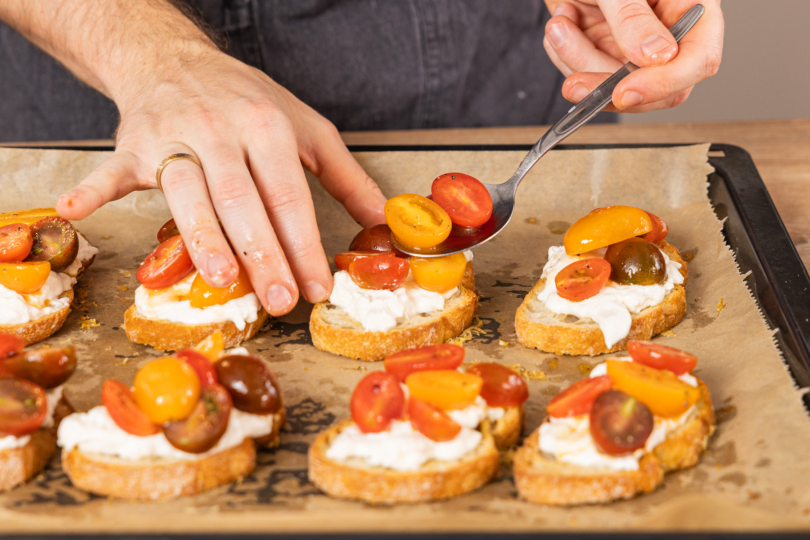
{"x": 251, "y": 136}
{"x": 588, "y": 40}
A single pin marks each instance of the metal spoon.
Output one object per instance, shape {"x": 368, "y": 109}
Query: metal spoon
{"x": 503, "y": 195}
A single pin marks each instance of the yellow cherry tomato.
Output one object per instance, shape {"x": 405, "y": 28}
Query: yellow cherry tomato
{"x": 417, "y": 221}
{"x": 203, "y": 295}
{"x": 605, "y": 226}
{"x": 447, "y": 389}
{"x": 166, "y": 389}
{"x": 659, "y": 389}
{"x": 28, "y": 217}
{"x": 24, "y": 277}
{"x": 212, "y": 346}
{"x": 439, "y": 274}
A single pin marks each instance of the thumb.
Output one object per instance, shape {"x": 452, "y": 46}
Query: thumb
{"x": 639, "y": 34}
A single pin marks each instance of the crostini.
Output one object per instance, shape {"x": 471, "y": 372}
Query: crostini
{"x": 614, "y": 280}
{"x": 187, "y": 425}
{"x": 175, "y": 308}
{"x": 41, "y": 258}
{"x": 617, "y": 433}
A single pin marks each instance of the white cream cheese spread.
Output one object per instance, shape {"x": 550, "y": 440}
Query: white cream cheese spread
{"x": 169, "y": 304}
{"x": 612, "y": 307}
{"x": 10, "y": 441}
{"x": 476, "y": 413}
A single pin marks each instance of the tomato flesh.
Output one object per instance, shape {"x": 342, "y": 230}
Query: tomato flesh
{"x": 10, "y": 345}
{"x": 117, "y": 398}
{"x": 47, "y": 367}
{"x": 431, "y": 421}
{"x": 636, "y": 261}
{"x": 166, "y": 389}
{"x": 605, "y": 226}
{"x": 29, "y": 217}
{"x": 15, "y": 242}
{"x": 212, "y": 346}
{"x": 582, "y": 279}
{"x": 660, "y": 356}
{"x": 464, "y": 198}
{"x": 168, "y": 230}
{"x": 659, "y": 229}
{"x": 439, "y": 274}
{"x": 620, "y": 424}
{"x": 376, "y": 401}
{"x": 251, "y": 383}
{"x": 578, "y": 398}
{"x": 446, "y": 389}
{"x": 658, "y": 389}
{"x": 166, "y": 265}
{"x": 201, "y": 365}
{"x": 55, "y": 241}
{"x": 502, "y": 387}
{"x": 427, "y": 358}
{"x": 343, "y": 260}
{"x": 24, "y": 277}
{"x": 376, "y": 238}
{"x": 379, "y": 273}
{"x": 417, "y": 221}
{"x": 23, "y": 406}
{"x": 206, "y": 424}
{"x": 203, "y": 295}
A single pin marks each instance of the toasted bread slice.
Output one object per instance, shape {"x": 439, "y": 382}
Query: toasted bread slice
{"x": 151, "y": 479}
{"x": 19, "y": 464}
{"x": 506, "y": 431}
{"x": 172, "y": 336}
{"x": 546, "y": 481}
{"x": 435, "y": 480}
{"x": 539, "y": 328}
{"x": 273, "y": 439}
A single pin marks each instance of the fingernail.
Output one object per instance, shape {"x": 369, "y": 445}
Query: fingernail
{"x": 314, "y": 292}
{"x": 559, "y": 9}
{"x": 218, "y": 268}
{"x": 659, "y": 49}
{"x": 578, "y": 92}
{"x": 631, "y": 98}
{"x": 278, "y": 298}
{"x": 557, "y": 35}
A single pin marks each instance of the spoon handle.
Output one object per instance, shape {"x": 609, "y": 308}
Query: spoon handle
{"x": 594, "y": 102}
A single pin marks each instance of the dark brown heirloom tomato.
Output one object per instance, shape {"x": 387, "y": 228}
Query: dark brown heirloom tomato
{"x": 168, "y": 230}
{"x": 55, "y": 241}
{"x": 46, "y": 366}
{"x": 205, "y": 426}
{"x": 23, "y": 407}
{"x": 252, "y": 385}
{"x": 63, "y": 409}
{"x": 376, "y": 238}
{"x": 620, "y": 423}
{"x": 636, "y": 262}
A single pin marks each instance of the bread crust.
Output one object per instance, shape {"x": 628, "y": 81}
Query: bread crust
{"x": 157, "y": 478}
{"x": 435, "y": 480}
{"x": 42, "y": 328}
{"x": 506, "y": 431}
{"x": 546, "y": 481}
{"x": 171, "y": 336}
{"x": 19, "y": 464}
{"x": 586, "y": 339}
{"x": 273, "y": 439}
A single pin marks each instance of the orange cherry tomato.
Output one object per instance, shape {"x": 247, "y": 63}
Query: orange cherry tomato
{"x": 464, "y": 198}
{"x": 658, "y": 389}
{"x": 578, "y": 398}
{"x": 23, "y": 407}
{"x": 659, "y": 229}
{"x": 10, "y": 345}
{"x": 605, "y": 226}
{"x": 206, "y": 425}
{"x": 47, "y": 367}
{"x": 201, "y": 365}
{"x": 166, "y": 265}
{"x": 166, "y": 389}
{"x": 376, "y": 238}
{"x": 447, "y": 389}
{"x": 582, "y": 279}
{"x": 660, "y": 356}
{"x": 427, "y": 358}
{"x": 431, "y": 421}
{"x": 502, "y": 387}
{"x": 117, "y": 398}
{"x": 343, "y": 260}
{"x": 212, "y": 346}
{"x": 29, "y": 217}
{"x": 203, "y": 295}
{"x": 417, "y": 221}
{"x": 168, "y": 230}
{"x": 439, "y": 274}
{"x": 15, "y": 242}
{"x": 376, "y": 401}
{"x": 387, "y": 272}
{"x": 24, "y": 277}
{"x": 619, "y": 423}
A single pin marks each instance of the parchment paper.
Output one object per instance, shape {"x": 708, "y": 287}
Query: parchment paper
{"x": 754, "y": 475}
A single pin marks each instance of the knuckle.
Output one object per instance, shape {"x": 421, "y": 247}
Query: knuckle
{"x": 712, "y": 64}
{"x": 288, "y": 199}
{"x": 266, "y": 115}
{"x": 179, "y": 178}
{"x": 233, "y": 191}
{"x": 632, "y": 15}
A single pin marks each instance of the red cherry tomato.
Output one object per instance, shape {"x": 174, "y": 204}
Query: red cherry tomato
{"x": 47, "y": 367}
{"x": 659, "y": 356}
{"x": 502, "y": 386}
{"x": 343, "y": 260}
{"x": 659, "y": 229}
{"x": 15, "y": 242}
{"x": 431, "y": 421}
{"x": 464, "y": 198}
{"x": 582, "y": 279}
{"x": 23, "y": 407}
{"x": 619, "y": 423}
{"x": 429, "y": 357}
{"x": 386, "y": 272}
{"x": 206, "y": 425}
{"x": 376, "y": 401}
{"x": 166, "y": 265}
{"x": 201, "y": 365}
{"x": 168, "y": 230}
{"x": 578, "y": 398}
{"x": 376, "y": 238}
{"x": 120, "y": 403}
{"x": 10, "y": 345}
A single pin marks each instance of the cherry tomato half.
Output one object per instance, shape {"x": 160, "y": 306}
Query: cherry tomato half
{"x": 502, "y": 386}
{"x": 212, "y": 346}
{"x": 376, "y": 401}
{"x": 447, "y": 389}
{"x": 343, "y": 260}
{"x": 417, "y": 221}
{"x": 636, "y": 261}
{"x": 431, "y": 421}
{"x": 464, "y": 198}
{"x": 15, "y": 242}
{"x": 10, "y": 345}
{"x": 578, "y": 398}
{"x": 206, "y": 424}
{"x": 23, "y": 407}
{"x": 619, "y": 423}
{"x": 379, "y": 273}
{"x": 24, "y": 277}
{"x": 439, "y": 274}
{"x": 659, "y": 389}
{"x": 427, "y": 358}
{"x": 659, "y": 229}
{"x": 166, "y": 389}
{"x": 168, "y": 230}
{"x": 605, "y": 226}
{"x": 376, "y": 238}
{"x": 582, "y": 279}
{"x": 201, "y": 365}
{"x": 117, "y": 398}
{"x": 203, "y": 295}
{"x": 47, "y": 367}
{"x": 251, "y": 383}
{"x": 166, "y": 265}
{"x": 55, "y": 241}
{"x": 29, "y": 217}
{"x": 660, "y": 356}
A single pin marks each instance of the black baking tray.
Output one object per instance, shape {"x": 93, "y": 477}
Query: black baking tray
{"x": 765, "y": 254}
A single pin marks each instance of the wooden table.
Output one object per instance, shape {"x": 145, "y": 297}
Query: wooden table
{"x": 780, "y": 148}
